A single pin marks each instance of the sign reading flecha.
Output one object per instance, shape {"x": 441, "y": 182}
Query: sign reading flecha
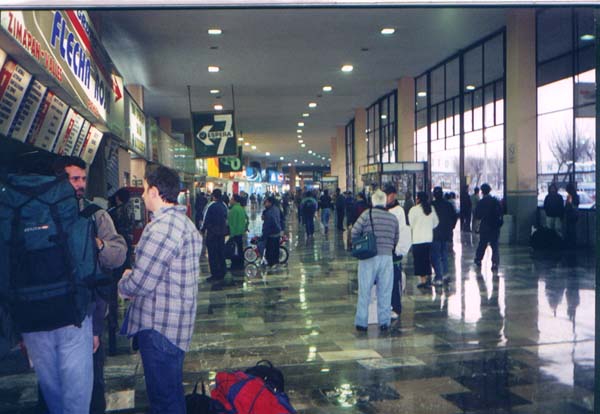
{"x": 214, "y": 134}
{"x": 231, "y": 164}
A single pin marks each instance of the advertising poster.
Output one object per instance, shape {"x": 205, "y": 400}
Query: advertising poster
{"x": 2, "y": 57}
{"x": 27, "y": 112}
{"x": 231, "y": 164}
{"x": 90, "y": 145}
{"x": 14, "y": 81}
{"x": 137, "y": 128}
{"x": 214, "y": 134}
{"x": 67, "y": 137}
{"x": 48, "y": 122}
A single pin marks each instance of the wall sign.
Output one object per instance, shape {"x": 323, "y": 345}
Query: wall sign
{"x": 69, "y": 133}
{"x": 137, "y": 127}
{"x": 90, "y": 145}
{"x": 231, "y": 164}
{"x": 14, "y": 81}
{"x": 48, "y": 122}
{"x": 29, "y": 108}
{"x": 214, "y": 134}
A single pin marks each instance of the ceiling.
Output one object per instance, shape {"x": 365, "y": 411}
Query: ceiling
{"x": 279, "y": 59}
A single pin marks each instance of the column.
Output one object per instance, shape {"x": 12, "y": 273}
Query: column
{"x": 520, "y": 123}
{"x": 338, "y": 157}
{"x": 406, "y": 119}
{"x": 360, "y": 145}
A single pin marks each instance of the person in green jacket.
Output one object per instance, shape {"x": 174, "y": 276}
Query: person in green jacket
{"x": 238, "y": 226}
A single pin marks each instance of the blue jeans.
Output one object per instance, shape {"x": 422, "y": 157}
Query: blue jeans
{"x": 439, "y": 258}
{"x": 325, "y": 213}
{"x": 163, "y": 371}
{"x": 380, "y": 269}
{"x": 63, "y": 362}
{"x": 309, "y": 222}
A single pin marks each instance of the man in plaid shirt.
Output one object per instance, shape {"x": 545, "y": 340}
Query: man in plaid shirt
{"x": 162, "y": 287}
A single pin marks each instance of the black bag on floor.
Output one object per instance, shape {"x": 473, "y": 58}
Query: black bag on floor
{"x": 544, "y": 238}
{"x": 272, "y": 376}
{"x": 231, "y": 249}
{"x": 198, "y": 403}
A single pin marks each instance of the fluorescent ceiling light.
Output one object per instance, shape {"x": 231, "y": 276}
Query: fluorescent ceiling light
{"x": 302, "y": 162}
{"x": 300, "y": 136}
{"x": 327, "y": 88}
{"x": 422, "y": 94}
{"x": 305, "y": 115}
{"x": 347, "y": 68}
{"x": 388, "y": 31}
{"x": 328, "y": 159}
{"x": 214, "y": 31}
{"x": 267, "y": 153}
{"x": 289, "y": 164}
{"x": 587, "y": 37}
{"x": 312, "y": 105}
{"x": 214, "y": 91}
{"x": 214, "y": 69}
{"x": 299, "y": 131}
{"x": 470, "y": 87}
{"x": 312, "y": 163}
{"x": 281, "y": 158}
{"x": 246, "y": 144}
{"x": 300, "y": 124}
{"x": 295, "y": 160}
{"x": 303, "y": 145}
{"x": 218, "y": 107}
{"x": 310, "y": 151}
{"x": 300, "y": 141}
{"x": 253, "y": 147}
{"x": 383, "y": 116}
{"x": 240, "y": 138}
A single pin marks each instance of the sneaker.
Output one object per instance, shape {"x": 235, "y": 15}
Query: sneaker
{"x": 394, "y": 316}
{"x": 361, "y": 328}
{"x": 438, "y": 281}
{"x": 447, "y": 279}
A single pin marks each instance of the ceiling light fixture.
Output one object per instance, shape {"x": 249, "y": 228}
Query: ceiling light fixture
{"x": 384, "y": 116}
{"x": 300, "y": 136}
{"x": 289, "y": 164}
{"x": 303, "y": 145}
{"x": 299, "y": 131}
{"x": 295, "y": 160}
{"x": 587, "y": 37}
{"x": 312, "y": 105}
{"x": 388, "y": 31}
{"x": 214, "y": 31}
{"x": 281, "y": 158}
{"x": 214, "y": 91}
{"x": 300, "y": 141}
{"x": 302, "y": 162}
{"x": 422, "y": 94}
{"x": 246, "y": 144}
{"x": 214, "y": 69}
{"x": 253, "y": 147}
{"x": 470, "y": 87}
{"x": 327, "y": 88}
{"x": 305, "y": 115}
{"x": 347, "y": 68}
{"x": 310, "y": 151}
{"x": 267, "y": 153}
{"x": 300, "y": 124}
{"x": 218, "y": 107}
{"x": 240, "y": 138}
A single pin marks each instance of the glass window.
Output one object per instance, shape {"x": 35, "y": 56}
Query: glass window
{"x": 473, "y": 68}
{"x": 554, "y": 33}
{"x": 437, "y": 85}
{"x": 452, "y": 78}
{"x": 494, "y": 59}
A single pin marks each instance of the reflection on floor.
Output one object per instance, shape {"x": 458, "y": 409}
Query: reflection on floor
{"x": 520, "y": 340}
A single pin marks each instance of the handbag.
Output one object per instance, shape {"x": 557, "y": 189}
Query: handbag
{"x": 365, "y": 246}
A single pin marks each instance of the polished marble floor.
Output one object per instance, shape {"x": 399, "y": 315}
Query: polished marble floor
{"x": 517, "y": 341}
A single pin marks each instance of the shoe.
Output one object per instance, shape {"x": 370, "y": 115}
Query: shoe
{"x": 477, "y": 262}
{"x": 384, "y": 328}
{"x": 394, "y": 316}
{"x": 447, "y": 280}
{"x": 361, "y": 328}
{"x": 424, "y": 285}
{"x": 494, "y": 267}
{"x": 214, "y": 279}
{"x": 438, "y": 281}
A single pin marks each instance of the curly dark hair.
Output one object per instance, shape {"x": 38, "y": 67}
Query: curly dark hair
{"x": 165, "y": 180}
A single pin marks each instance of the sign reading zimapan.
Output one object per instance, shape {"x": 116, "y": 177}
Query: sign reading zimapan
{"x": 214, "y": 134}
{"x": 65, "y": 44}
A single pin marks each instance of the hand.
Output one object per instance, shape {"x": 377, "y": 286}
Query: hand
{"x": 99, "y": 243}
{"x": 96, "y": 343}
{"x": 127, "y": 272}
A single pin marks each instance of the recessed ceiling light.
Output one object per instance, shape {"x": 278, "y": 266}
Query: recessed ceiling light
{"x": 218, "y": 107}
{"x": 587, "y": 37}
{"x": 388, "y": 31}
{"x": 240, "y": 138}
{"x": 310, "y": 151}
{"x": 327, "y": 88}
{"x": 299, "y": 131}
{"x": 214, "y": 91}
{"x": 289, "y": 164}
{"x": 299, "y": 136}
{"x": 267, "y": 153}
{"x": 305, "y": 115}
{"x": 302, "y": 162}
{"x": 214, "y": 69}
{"x": 312, "y": 163}
{"x": 281, "y": 158}
{"x": 303, "y": 145}
{"x": 214, "y": 31}
{"x": 253, "y": 147}
{"x": 470, "y": 87}
{"x": 422, "y": 94}
{"x": 300, "y": 141}
{"x": 328, "y": 159}
{"x": 347, "y": 68}
{"x": 300, "y": 124}
{"x": 383, "y": 116}
{"x": 246, "y": 144}
{"x": 312, "y": 105}
{"x": 295, "y": 160}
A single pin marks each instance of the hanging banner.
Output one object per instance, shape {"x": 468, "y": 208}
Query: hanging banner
{"x": 67, "y": 47}
{"x": 48, "y": 122}
{"x": 22, "y": 125}
{"x": 67, "y": 137}
{"x": 14, "y": 81}
{"x": 90, "y": 146}
{"x": 214, "y": 134}
{"x": 137, "y": 127}
{"x": 231, "y": 164}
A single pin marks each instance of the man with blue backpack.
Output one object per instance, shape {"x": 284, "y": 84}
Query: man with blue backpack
{"x": 54, "y": 246}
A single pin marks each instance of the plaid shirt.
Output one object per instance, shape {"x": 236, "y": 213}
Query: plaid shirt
{"x": 164, "y": 282}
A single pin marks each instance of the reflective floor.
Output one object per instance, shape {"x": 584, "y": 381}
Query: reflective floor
{"x": 520, "y": 340}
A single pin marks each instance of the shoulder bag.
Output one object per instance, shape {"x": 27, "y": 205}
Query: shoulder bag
{"x": 365, "y": 246}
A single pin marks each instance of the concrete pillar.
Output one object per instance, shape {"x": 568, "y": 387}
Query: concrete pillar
{"x": 338, "y": 156}
{"x": 292, "y": 172}
{"x": 520, "y": 123}
{"x": 406, "y": 119}
{"x": 360, "y": 145}
{"x": 137, "y": 93}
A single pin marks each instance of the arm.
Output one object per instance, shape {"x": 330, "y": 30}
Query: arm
{"x": 113, "y": 254}
{"x": 153, "y": 255}
{"x": 357, "y": 228}
{"x": 404, "y": 235}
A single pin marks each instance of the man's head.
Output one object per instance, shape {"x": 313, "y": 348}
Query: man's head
{"x": 552, "y": 189}
{"x": 438, "y": 193}
{"x": 74, "y": 167}
{"x": 337, "y": 190}
{"x": 476, "y": 190}
{"x": 485, "y": 188}
{"x": 390, "y": 190}
{"x": 216, "y": 195}
{"x": 237, "y": 199}
{"x": 326, "y": 192}
{"x": 122, "y": 196}
{"x": 161, "y": 187}
{"x": 269, "y": 201}
{"x": 378, "y": 198}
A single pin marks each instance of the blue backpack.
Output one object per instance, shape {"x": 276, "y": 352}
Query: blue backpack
{"x": 48, "y": 253}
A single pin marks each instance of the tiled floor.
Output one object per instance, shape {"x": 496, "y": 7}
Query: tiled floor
{"x": 519, "y": 341}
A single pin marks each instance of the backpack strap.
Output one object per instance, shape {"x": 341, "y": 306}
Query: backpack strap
{"x": 90, "y": 210}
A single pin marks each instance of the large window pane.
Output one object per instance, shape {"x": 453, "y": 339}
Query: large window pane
{"x": 554, "y": 33}
{"x": 452, "y": 78}
{"x": 494, "y": 59}
{"x": 437, "y": 85}
{"x": 555, "y": 143}
{"x": 555, "y": 96}
{"x": 473, "y": 68}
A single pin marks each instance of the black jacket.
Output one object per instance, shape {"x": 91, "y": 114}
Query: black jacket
{"x": 215, "y": 221}
{"x": 489, "y": 211}
{"x": 447, "y": 215}
{"x": 271, "y": 222}
{"x": 554, "y": 205}
{"x": 340, "y": 202}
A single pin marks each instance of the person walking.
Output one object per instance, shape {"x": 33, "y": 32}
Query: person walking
{"x": 401, "y": 249}
{"x": 466, "y": 209}
{"x": 349, "y": 206}
{"x": 271, "y": 231}
{"x": 325, "y": 206}
{"x": 554, "y": 207}
{"x": 309, "y": 207}
{"x": 408, "y": 204}
{"x": 489, "y": 212}
{"x": 162, "y": 288}
{"x": 215, "y": 227}
{"x": 237, "y": 219}
{"x": 377, "y": 269}
{"x": 423, "y": 219}
{"x": 199, "y": 206}
{"x": 442, "y": 235}
{"x": 339, "y": 209}
{"x": 474, "y": 201}
{"x": 571, "y": 216}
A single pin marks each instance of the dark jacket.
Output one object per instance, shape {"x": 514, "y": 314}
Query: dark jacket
{"x": 466, "y": 206}
{"x": 489, "y": 211}
{"x": 340, "y": 202}
{"x": 554, "y": 205}
{"x": 325, "y": 202}
{"x": 271, "y": 222}
{"x": 215, "y": 220}
{"x": 359, "y": 207}
{"x": 447, "y": 216}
